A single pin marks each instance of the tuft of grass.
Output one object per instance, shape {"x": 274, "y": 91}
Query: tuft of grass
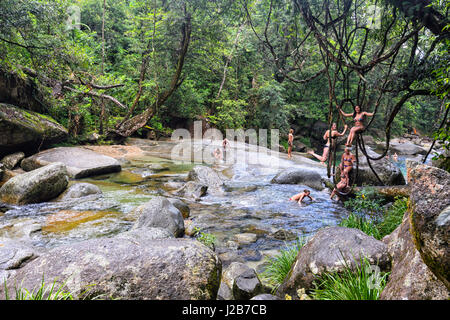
{"x": 44, "y": 292}
{"x": 367, "y": 226}
{"x": 280, "y": 265}
{"x": 361, "y": 283}
{"x": 393, "y": 217}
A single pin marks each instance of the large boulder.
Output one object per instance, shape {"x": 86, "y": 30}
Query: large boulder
{"x": 160, "y": 213}
{"x": 118, "y": 268}
{"x": 302, "y": 176}
{"x": 430, "y": 218}
{"x": 80, "y": 162}
{"x": 11, "y": 160}
{"x": 331, "y": 249}
{"x": 27, "y": 130}
{"x": 410, "y": 278}
{"x": 388, "y": 172}
{"x": 407, "y": 148}
{"x": 208, "y": 177}
{"x": 39, "y": 185}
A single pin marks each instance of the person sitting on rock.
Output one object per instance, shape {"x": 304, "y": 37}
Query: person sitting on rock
{"x": 300, "y": 196}
{"x": 341, "y": 186}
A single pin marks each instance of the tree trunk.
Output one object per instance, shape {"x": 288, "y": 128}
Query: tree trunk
{"x": 128, "y": 127}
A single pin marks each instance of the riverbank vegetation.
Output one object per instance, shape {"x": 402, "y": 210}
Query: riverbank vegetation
{"x": 368, "y": 215}
{"x": 358, "y": 283}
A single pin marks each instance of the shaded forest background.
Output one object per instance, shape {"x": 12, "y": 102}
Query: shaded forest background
{"x": 134, "y": 67}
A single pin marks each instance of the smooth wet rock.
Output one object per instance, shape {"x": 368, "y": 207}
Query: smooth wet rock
{"x": 80, "y": 162}
{"x": 410, "y": 277}
{"x": 301, "y": 176}
{"x": 117, "y": 268}
{"x": 330, "y": 250}
{"x": 39, "y": 185}
{"x": 407, "y": 148}
{"x": 208, "y": 177}
{"x": 180, "y": 205}
{"x": 245, "y": 238}
{"x": 27, "y": 130}
{"x": 192, "y": 190}
{"x": 430, "y": 218}
{"x": 79, "y": 190}
{"x": 160, "y": 213}
{"x": 12, "y": 160}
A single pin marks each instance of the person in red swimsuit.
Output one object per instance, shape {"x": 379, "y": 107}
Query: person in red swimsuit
{"x": 358, "y": 117}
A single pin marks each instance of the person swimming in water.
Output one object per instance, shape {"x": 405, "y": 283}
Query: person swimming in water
{"x": 347, "y": 161}
{"x": 290, "y": 142}
{"x": 300, "y": 196}
{"x": 358, "y": 117}
{"x": 331, "y": 139}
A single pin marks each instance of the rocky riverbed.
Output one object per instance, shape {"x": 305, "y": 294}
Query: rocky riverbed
{"x": 98, "y": 204}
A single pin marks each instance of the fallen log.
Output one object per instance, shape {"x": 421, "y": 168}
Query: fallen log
{"x": 389, "y": 192}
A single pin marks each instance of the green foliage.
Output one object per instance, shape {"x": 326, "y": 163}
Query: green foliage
{"x": 362, "y": 223}
{"x": 393, "y": 217}
{"x": 207, "y": 239}
{"x": 377, "y": 224}
{"x": 230, "y": 114}
{"x": 44, "y": 292}
{"x": 360, "y": 283}
{"x": 366, "y": 202}
{"x": 279, "y": 266}
{"x": 223, "y": 49}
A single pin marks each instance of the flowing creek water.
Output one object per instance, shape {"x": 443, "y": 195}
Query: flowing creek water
{"x": 251, "y": 204}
